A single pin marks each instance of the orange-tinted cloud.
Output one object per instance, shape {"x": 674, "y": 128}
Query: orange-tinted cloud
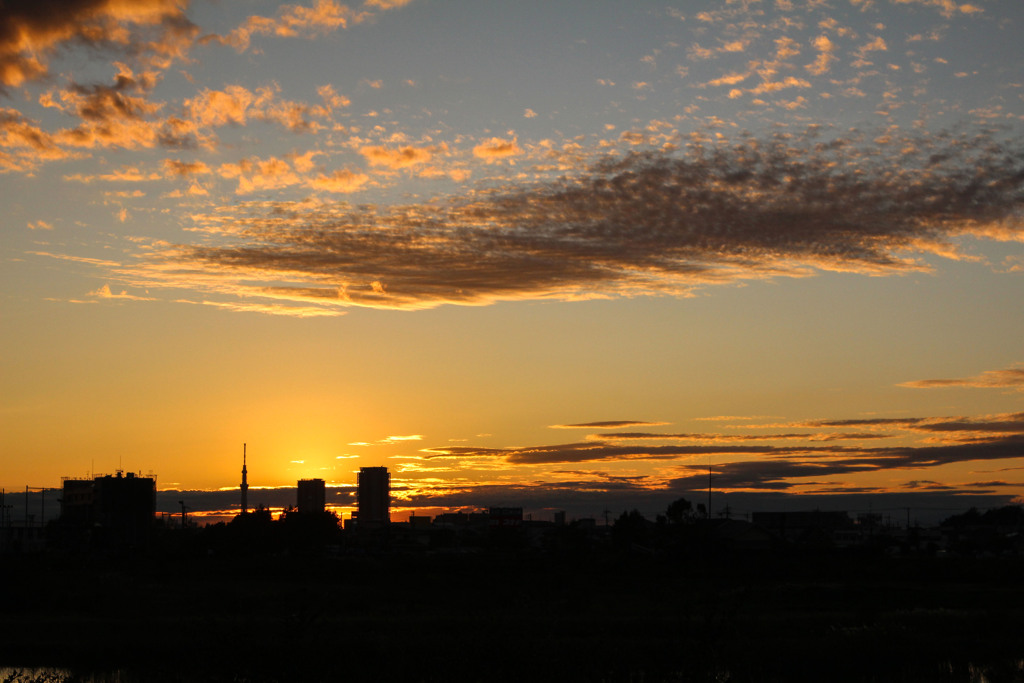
{"x": 826, "y": 55}
{"x": 23, "y": 144}
{"x": 105, "y": 292}
{"x": 222, "y": 107}
{"x": 32, "y": 30}
{"x": 387, "y": 4}
{"x": 948, "y": 8}
{"x": 186, "y": 168}
{"x": 325, "y": 16}
{"x": 341, "y": 181}
{"x": 497, "y": 148}
{"x": 260, "y": 174}
{"x": 1006, "y": 378}
{"x": 650, "y": 223}
{"x": 403, "y": 157}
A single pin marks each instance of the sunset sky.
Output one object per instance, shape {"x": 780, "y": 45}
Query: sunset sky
{"x": 564, "y": 255}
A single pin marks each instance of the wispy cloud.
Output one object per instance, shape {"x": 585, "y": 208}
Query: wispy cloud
{"x": 291, "y": 21}
{"x": 608, "y": 424}
{"x": 1006, "y": 378}
{"x": 105, "y": 292}
{"x": 812, "y": 460}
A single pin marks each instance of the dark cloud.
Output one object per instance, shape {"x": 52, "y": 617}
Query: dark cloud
{"x": 725, "y": 438}
{"x": 1009, "y": 423}
{"x": 761, "y": 474}
{"x": 1003, "y": 424}
{"x": 872, "y": 422}
{"x": 591, "y": 451}
{"x": 654, "y": 223}
{"x": 763, "y": 467}
{"x": 608, "y": 424}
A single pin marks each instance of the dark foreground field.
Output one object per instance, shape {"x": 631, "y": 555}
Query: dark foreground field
{"x": 509, "y": 617}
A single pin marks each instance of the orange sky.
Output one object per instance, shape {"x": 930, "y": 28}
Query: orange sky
{"x": 563, "y": 256}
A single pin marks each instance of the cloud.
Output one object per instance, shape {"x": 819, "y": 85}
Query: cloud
{"x": 396, "y": 158}
{"x": 31, "y": 31}
{"x": 28, "y": 143}
{"x": 652, "y": 223}
{"x": 735, "y": 438}
{"x": 341, "y": 181}
{"x": 110, "y": 115}
{"x": 1006, "y": 378}
{"x": 105, "y": 292}
{"x": 826, "y": 55}
{"x": 186, "y": 168}
{"x": 757, "y": 467}
{"x": 325, "y": 16}
{"x": 236, "y": 105}
{"x": 387, "y": 4}
{"x": 270, "y": 309}
{"x": 496, "y": 148}
{"x": 608, "y": 424}
{"x": 1002, "y": 424}
{"x": 598, "y": 451}
{"x": 876, "y": 45}
{"x": 222, "y": 107}
{"x": 260, "y": 174}
{"x": 948, "y": 8}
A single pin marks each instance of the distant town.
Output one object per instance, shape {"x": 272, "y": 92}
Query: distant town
{"x": 109, "y": 590}
{"x": 117, "y": 513}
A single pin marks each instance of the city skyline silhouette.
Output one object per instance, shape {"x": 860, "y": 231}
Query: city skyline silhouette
{"x": 596, "y": 284}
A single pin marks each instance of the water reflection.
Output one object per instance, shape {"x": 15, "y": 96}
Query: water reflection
{"x": 40, "y": 675}
{"x": 50, "y": 674}
{"x": 1011, "y": 671}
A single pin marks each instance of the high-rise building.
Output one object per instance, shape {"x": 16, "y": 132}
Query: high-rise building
{"x": 312, "y": 496}
{"x": 374, "y": 493}
{"x": 112, "y": 510}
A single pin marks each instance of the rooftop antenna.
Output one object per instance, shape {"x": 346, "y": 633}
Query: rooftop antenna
{"x": 245, "y": 484}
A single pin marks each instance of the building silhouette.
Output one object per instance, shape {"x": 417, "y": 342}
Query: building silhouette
{"x": 374, "y": 496}
{"x": 112, "y": 510}
{"x": 312, "y": 496}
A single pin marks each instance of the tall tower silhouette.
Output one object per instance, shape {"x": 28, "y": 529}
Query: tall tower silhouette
{"x": 245, "y": 484}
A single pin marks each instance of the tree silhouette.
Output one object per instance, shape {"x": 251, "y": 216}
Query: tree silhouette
{"x": 679, "y": 511}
